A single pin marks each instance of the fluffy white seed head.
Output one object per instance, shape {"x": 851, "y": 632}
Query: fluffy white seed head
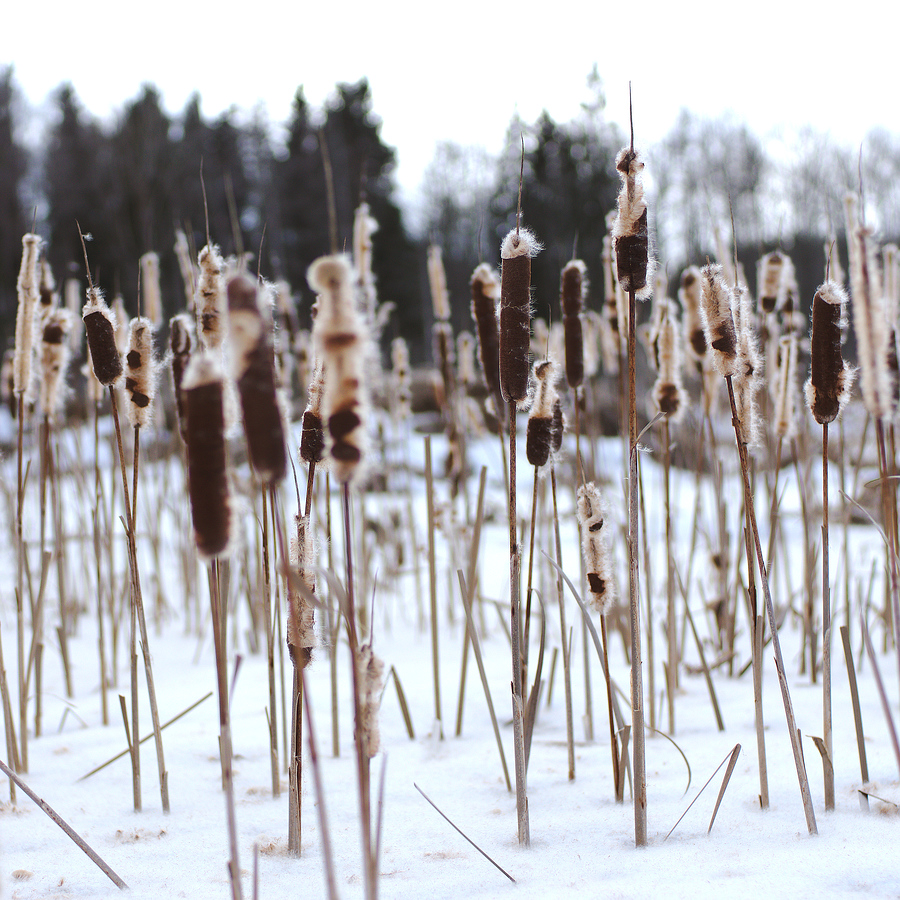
{"x": 55, "y": 354}
{"x": 150, "y": 289}
{"x": 364, "y": 226}
{"x": 370, "y": 673}
{"x": 141, "y": 371}
{"x": 301, "y": 633}
{"x": 437, "y": 281}
{"x": 595, "y": 530}
{"x": 718, "y": 323}
{"x": 520, "y": 242}
{"x": 209, "y": 301}
{"x": 669, "y": 396}
{"x": 786, "y": 387}
{"x": 29, "y": 293}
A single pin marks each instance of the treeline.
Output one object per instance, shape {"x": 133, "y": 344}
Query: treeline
{"x": 134, "y": 182}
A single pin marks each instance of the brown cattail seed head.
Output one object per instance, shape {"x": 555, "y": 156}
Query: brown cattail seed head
{"x": 592, "y": 523}
{"x": 312, "y": 437}
{"x": 370, "y": 670}
{"x": 558, "y": 427}
{"x": 208, "y": 486}
{"x": 518, "y": 247}
{"x": 689, "y": 295}
{"x": 340, "y": 345}
{"x": 54, "y": 358}
{"x": 29, "y": 294}
{"x": 210, "y": 298}
{"x": 402, "y": 390}
{"x": 631, "y": 236}
{"x": 181, "y": 344}
{"x": 437, "y": 280}
{"x": 250, "y": 327}
{"x": 140, "y": 372}
{"x": 539, "y": 436}
{"x": 718, "y": 323}
{"x": 152, "y": 295}
{"x": 573, "y": 286}
{"x": 830, "y": 378}
{"x": 668, "y": 392}
{"x": 100, "y": 325}
{"x": 485, "y": 295}
{"x": 748, "y": 377}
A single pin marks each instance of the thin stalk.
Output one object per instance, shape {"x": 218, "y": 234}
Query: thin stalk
{"x": 270, "y": 648}
{"x": 20, "y": 588}
{"x": 826, "y": 631}
{"x": 637, "y": 689}
{"x": 525, "y": 642}
{"x": 518, "y": 708}
{"x": 432, "y": 585}
{"x": 564, "y": 635}
{"x": 773, "y": 625}
{"x": 671, "y": 627}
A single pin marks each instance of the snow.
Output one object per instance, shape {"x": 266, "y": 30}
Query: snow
{"x": 582, "y": 841}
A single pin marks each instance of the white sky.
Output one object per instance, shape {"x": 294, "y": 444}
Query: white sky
{"x": 459, "y": 71}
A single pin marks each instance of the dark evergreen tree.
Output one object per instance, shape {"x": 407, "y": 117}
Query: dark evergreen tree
{"x": 13, "y": 165}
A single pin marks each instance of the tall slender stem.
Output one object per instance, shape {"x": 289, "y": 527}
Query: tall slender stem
{"x": 826, "y": 631}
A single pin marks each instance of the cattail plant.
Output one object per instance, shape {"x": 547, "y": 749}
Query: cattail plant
{"x": 722, "y": 340}
{"x": 748, "y": 378}
{"x": 827, "y": 392}
{"x": 573, "y": 287}
{"x": 771, "y": 267}
{"x": 181, "y": 346}
{"x": 250, "y": 330}
{"x": 364, "y": 226}
{"x": 209, "y": 300}
{"x": 631, "y": 244}
{"x": 516, "y": 252}
{"x": 595, "y": 549}
{"x": 151, "y": 294}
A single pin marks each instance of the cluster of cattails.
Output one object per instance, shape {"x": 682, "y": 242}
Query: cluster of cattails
{"x": 594, "y": 527}
{"x": 340, "y": 345}
{"x": 544, "y": 433}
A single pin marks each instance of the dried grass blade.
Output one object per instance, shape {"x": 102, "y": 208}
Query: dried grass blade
{"x": 728, "y": 773}
{"x": 732, "y": 756}
{"x": 458, "y": 830}
{"x": 854, "y": 699}
{"x": 404, "y": 706}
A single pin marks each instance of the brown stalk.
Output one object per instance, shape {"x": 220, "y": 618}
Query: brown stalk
{"x": 432, "y": 585}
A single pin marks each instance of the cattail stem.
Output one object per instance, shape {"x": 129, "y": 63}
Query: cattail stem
{"x": 20, "y": 587}
{"x": 139, "y": 606}
{"x": 565, "y": 643}
{"x": 637, "y": 692}
{"x": 618, "y": 783}
{"x": 515, "y": 634}
{"x": 671, "y": 624}
{"x": 826, "y": 631}
{"x": 525, "y": 642}
{"x": 225, "y": 748}
{"x": 773, "y": 625}
{"x": 432, "y": 585}
{"x": 270, "y": 645}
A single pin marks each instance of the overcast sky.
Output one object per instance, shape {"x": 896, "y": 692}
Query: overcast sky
{"x": 459, "y": 71}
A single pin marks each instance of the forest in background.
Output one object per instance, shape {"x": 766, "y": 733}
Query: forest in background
{"x": 134, "y": 181}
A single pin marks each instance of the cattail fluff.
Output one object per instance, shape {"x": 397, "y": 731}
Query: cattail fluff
{"x": 786, "y": 387}
{"x": 101, "y": 327}
{"x": 29, "y": 294}
{"x": 312, "y": 436}
{"x": 208, "y": 485}
{"x": 181, "y": 345}
{"x": 594, "y": 528}
{"x": 364, "y": 226}
{"x": 465, "y": 360}
{"x": 789, "y": 299}
{"x": 516, "y": 251}
{"x": 539, "y": 436}
{"x": 573, "y": 286}
{"x": 437, "y": 281}
{"x": 185, "y": 265}
{"x": 370, "y": 672}
{"x": 870, "y": 325}
{"x": 140, "y": 372}
{"x": 718, "y": 323}
{"x": 769, "y": 279}
{"x": 668, "y": 391}
{"x": 610, "y": 286}
{"x": 250, "y": 330}
{"x": 830, "y": 378}
{"x": 150, "y": 289}
{"x": 8, "y": 382}
{"x": 631, "y": 236}
{"x": 210, "y": 298}
{"x": 749, "y": 375}
{"x": 558, "y": 427}
{"x": 402, "y": 389}
{"x": 54, "y": 358}
{"x": 689, "y": 295}
{"x": 301, "y": 630}
{"x": 340, "y": 345}
{"x": 485, "y": 294}
{"x": 891, "y": 303}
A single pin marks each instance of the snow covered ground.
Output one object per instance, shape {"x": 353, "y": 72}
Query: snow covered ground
{"x": 582, "y": 841}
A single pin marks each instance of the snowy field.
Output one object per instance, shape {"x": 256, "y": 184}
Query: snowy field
{"x": 582, "y": 841}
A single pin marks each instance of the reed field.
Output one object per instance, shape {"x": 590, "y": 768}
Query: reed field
{"x": 608, "y": 606}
